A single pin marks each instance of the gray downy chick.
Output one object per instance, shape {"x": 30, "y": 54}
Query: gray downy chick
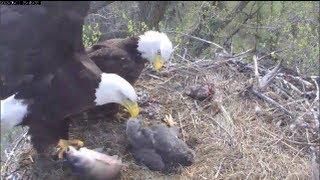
{"x": 158, "y": 147}
{"x": 89, "y": 164}
{"x": 141, "y": 141}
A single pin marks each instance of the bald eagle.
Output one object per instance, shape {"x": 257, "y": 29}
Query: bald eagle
{"x": 127, "y": 57}
{"x": 42, "y": 47}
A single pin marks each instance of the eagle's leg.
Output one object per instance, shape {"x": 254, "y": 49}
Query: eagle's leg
{"x": 63, "y": 145}
{"x": 64, "y": 141}
{"x": 46, "y": 135}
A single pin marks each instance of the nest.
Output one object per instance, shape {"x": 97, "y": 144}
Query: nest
{"x": 234, "y": 134}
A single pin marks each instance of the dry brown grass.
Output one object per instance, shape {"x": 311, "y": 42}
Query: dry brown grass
{"x": 237, "y": 144}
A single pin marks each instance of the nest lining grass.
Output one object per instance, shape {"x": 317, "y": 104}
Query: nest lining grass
{"x": 233, "y": 143}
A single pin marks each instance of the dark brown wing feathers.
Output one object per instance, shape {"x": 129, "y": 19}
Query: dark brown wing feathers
{"x": 41, "y": 41}
{"x": 119, "y": 56}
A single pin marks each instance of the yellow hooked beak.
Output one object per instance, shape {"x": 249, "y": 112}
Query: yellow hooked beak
{"x": 158, "y": 62}
{"x": 132, "y": 107}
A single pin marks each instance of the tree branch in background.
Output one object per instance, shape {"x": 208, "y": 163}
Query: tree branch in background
{"x": 248, "y": 17}
{"x": 230, "y": 17}
{"x": 152, "y": 12}
{"x": 97, "y": 5}
{"x": 202, "y": 40}
{"x": 219, "y": 26}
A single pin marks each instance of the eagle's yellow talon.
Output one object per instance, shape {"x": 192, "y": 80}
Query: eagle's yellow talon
{"x": 64, "y": 144}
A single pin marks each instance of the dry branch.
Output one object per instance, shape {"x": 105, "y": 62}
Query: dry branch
{"x": 200, "y": 39}
{"x": 315, "y": 165}
{"x": 271, "y": 54}
{"x": 269, "y": 77}
{"x": 271, "y": 101}
{"x": 317, "y": 103}
{"x": 256, "y": 69}
{"x": 222, "y": 127}
{"x": 11, "y": 154}
{"x": 293, "y": 87}
{"x": 225, "y": 113}
{"x": 245, "y": 53}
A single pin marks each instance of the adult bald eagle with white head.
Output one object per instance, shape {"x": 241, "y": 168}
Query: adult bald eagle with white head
{"x": 127, "y": 57}
{"x": 48, "y": 75}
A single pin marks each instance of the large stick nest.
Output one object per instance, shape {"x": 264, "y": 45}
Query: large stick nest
{"x": 234, "y": 133}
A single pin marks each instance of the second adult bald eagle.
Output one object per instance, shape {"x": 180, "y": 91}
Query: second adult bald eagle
{"x": 127, "y": 57}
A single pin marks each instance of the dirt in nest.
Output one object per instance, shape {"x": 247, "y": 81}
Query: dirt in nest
{"x": 239, "y": 144}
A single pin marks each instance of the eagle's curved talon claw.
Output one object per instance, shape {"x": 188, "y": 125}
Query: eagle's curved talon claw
{"x": 63, "y": 146}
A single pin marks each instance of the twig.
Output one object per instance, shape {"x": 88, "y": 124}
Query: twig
{"x": 300, "y": 79}
{"x": 269, "y": 77}
{"x": 316, "y": 115}
{"x": 18, "y": 169}
{"x": 274, "y": 136}
{"x": 314, "y": 164}
{"x": 225, "y": 113}
{"x": 175, "y": 48}
{"x": 281, "y": 91}
{"x": 293, "y": 87}
{"x": 272, "y": 53}
{"x": 297, "y": 154}
{"x": 185, "y": 53}
{"x": 271, "y": 101}
{"x": 295, "y": 101}
{"x": 182, "y": 130}
{"x": 302, "y": 143}
{"x": 154, "y": 76}
{"x": 4, "y": 167}
{"x": 256, "y": 70}
{"x": 243, "y": 53}
{"x": 217, "y": 173}
{"x": 183, "y": 58}
{"x": 317, "y": 86}
{"x": 197, "y": 38}
{"x": 230, "y": 136}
